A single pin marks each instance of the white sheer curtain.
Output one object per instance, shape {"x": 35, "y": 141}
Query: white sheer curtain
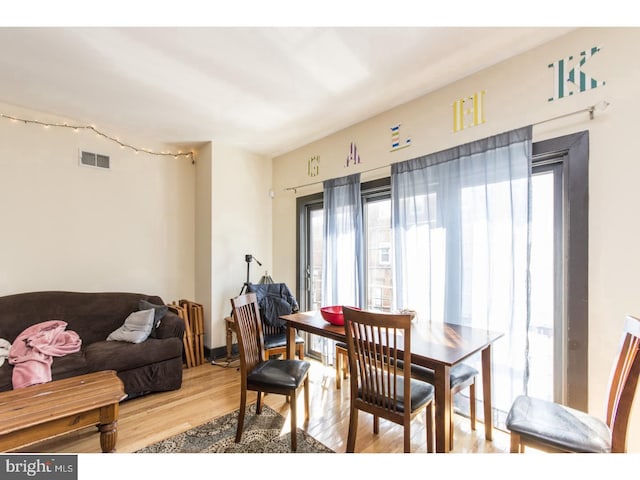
{"x": 460, "y": 222}
{"x": 343, "y": 258}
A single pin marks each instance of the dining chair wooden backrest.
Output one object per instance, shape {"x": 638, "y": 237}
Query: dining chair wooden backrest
{"x": 375, "y": 341}
{"x": 623, "y": 384}
{"x": 248, "y": 327}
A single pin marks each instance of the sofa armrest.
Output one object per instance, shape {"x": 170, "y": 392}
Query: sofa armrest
{"x": 170, "y": 326}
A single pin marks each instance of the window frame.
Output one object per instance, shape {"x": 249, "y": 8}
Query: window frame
{"x": 574, "y": 150}
{"x": 303, "y": 206}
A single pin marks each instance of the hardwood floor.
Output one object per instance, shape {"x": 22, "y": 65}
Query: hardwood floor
{"x": 209, "y": 391}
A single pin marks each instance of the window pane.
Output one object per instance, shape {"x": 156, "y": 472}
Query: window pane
{"x": 316, "y": 345}
{"x": 316, "y": 222}
{"x": 378, "y": 240}
{"x": 541, "y": 328}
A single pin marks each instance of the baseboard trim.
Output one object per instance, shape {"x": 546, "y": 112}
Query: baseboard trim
{"x": 220, "y": 353}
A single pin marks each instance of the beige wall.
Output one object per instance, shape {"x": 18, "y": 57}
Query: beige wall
{"x": 71, "y": 227}
{"x": 516, "y": 95}
{"x": 203, "y": 226}
{"x": 241, "y": 224}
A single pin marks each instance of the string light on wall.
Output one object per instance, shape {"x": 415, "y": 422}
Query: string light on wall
{"x": 76, "y": 128}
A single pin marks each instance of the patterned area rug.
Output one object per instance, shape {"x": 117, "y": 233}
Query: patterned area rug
{"x": 261, "y": 434}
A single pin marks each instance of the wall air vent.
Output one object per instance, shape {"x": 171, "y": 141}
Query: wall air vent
{"x": 94, "y": 160}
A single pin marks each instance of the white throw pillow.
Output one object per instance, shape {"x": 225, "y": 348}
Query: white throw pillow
{"x": 136, "y": 327}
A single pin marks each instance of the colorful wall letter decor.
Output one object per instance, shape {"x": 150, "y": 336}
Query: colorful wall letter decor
{"x": 568, "y": 76}
{"x": 313, "y": 166}
{"x": 468, "y": 112}
{"x": 396, "y": 143}
{"x": 354, "y": 157}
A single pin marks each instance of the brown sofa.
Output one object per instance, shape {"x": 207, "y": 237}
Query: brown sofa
{"x": 150, "y": 366}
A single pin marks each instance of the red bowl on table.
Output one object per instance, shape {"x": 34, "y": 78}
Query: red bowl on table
{"x": 334, "y": 314}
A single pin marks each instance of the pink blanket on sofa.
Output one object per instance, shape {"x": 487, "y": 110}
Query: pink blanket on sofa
{"x": 33, "y": 350}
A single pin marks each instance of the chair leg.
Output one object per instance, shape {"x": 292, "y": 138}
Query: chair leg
{"x": 345, "y": 366}
{"x": 407, "y": 437}
{"x": 516, "y": 446}
{"x": 376, "y": 424}
{"x": 342, "y": 366}
{"x": 472, "y": 406}
{"x": 306, "y": 398}
{"x": 429, "y": 428}
{"x": 301, "y": 351}
{"x": 451, "y": 426}
{"x": 338, "y": 361}
{"x": 294, "y": 422}
{"x": 243, "y": 404}
{"x": 472, "y": 413}
{"x": 259, "y": 403}
{"x": 353, "y": 427}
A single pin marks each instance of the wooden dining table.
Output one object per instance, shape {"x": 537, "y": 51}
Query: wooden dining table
{"x": 438, "y": 346}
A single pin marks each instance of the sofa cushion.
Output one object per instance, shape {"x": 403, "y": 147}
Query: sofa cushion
{"x": 126, "y": 356}
{"x": 136, "y": 327}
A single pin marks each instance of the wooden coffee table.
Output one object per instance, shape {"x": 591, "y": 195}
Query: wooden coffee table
{"x": 29, "y": 415}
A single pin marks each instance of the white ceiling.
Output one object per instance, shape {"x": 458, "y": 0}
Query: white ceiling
{"x": 266, "y": 89}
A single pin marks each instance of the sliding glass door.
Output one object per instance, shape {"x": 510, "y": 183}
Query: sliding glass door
{"x": 557, "y": 332}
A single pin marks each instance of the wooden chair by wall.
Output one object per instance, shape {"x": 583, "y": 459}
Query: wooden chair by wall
{"x": 553, "y": 427}
{"x": 275, "y": 336}
{"x": 374, "y": 341}
{"x": 283, "y": 377}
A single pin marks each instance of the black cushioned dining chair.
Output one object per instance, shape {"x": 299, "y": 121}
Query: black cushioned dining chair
{"x": 553, "y": 427}
{"x": 275, "y": 299}
{"x": 374, "y": 342}
{"x": 275, "y": 342}
{"x": 284, "y": 377}
{"x": 461, "y": 376}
